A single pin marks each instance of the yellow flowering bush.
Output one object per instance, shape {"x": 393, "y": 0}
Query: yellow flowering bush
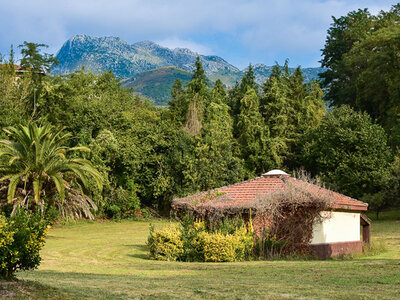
{"x": 166, "y": 243}
{"x": 244, "y": 243}
{"x": 193, "y": 241}
{"x": 21, "y": 239}
{"x": 219, "y": 247}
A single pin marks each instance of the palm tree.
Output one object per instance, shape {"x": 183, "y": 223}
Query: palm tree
{"x": 36, "y": 159}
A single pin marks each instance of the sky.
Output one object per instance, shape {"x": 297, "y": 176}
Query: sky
{"x": 241, "y": 32}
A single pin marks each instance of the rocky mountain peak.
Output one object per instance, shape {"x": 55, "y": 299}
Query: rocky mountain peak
{"x": 98, "y": 54}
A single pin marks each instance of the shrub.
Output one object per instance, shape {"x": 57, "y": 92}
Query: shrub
{"x": 52, "y": 215}
{"x": 227, "y": 225}
{"x": 268, "y": 246}
{"x": 193, "y": 233}
{"x": 21, "y": 239}
{"x": 291, "y": 214}
{"x": 193, "y": 241}
{"x": 166, "y": 243}
{"x": 245, "y": 243}
{"x": 123, "y": 203}
{"x": 219, "y": 247}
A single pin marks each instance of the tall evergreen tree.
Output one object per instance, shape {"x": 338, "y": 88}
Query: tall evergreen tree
{"x": 218, "y": 92}
{"x": 215, "y": 161}
{"x": 290, "y": 107}
{"x": 178, "y": 105}
{"x": 238, "y": 92}
{"x": 248, "y": 81}
{"x": 197, "y": 98}
{"x": 198, "y": 84}
{"x": 252, "y": 136}
{"x": 33, "y": 60}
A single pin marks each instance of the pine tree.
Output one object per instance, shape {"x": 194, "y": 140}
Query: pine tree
{"x": 194, "y": 115}
{"x": 248, "y": 81}
{"x": 197, "y": 98}
{"x": 290, "y": 107}
{"x": 238, "y": 92}
{"x": 218, "y": 92}
{"x": 198, "y": 84}
{"x": 252, "y": 136}
{"x": 178, "y": 104}
{"x": 216, "y": 164}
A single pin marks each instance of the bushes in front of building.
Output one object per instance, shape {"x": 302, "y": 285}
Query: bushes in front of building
{"x": 21, "y": 238}
{"x": 219, "y": 247}
{"x": 195, "y": 241}
{"x": 166, "y": 243}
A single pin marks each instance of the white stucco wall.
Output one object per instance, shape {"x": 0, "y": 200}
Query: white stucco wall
{"x": 340, "y": 227}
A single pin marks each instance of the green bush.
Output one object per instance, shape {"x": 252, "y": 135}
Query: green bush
{"x": 193, "y": 241}
{"x": 227, "y": 225}
{"x": 123, "y": 203}
{"x": 21, "y": 238}
{"x": 166, "y": 243}
{"x": 52, "y": 215}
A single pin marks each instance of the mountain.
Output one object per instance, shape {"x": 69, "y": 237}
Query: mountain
{"x": 112, "y": 53}
{"x": 156, "y": 84}
{"x": 144, "y": 65}
{"x": 262, "y": 72}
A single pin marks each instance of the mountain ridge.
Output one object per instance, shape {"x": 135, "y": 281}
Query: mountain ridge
{"x": 128, "y": 61}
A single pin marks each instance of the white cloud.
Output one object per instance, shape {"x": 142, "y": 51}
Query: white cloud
{"x": 262, "y": 28}
{"x": 176, "y": 42}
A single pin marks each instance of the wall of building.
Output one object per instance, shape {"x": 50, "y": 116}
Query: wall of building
{"x": 338, "y": 227}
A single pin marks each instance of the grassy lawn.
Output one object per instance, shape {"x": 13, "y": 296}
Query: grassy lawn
{"x": 109, "y": 260}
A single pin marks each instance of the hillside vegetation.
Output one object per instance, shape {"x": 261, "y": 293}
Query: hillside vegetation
{"x": 156, "y": 84}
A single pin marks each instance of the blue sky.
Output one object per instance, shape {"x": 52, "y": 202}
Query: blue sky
{"x": 242, "y": 32}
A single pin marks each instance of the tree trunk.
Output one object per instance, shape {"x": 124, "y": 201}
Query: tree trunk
{"x": 41, "y": 203}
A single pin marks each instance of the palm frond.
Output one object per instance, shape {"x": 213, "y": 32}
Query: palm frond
{"x": 34, "y": 155}
{"x": 12, "y": 186}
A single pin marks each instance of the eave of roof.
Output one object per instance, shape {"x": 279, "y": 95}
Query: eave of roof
{"x": 242, "y": 194}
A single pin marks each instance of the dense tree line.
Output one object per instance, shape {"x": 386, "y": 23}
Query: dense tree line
{"x": 210, "y": 136}
{"x": 361, "y": 55}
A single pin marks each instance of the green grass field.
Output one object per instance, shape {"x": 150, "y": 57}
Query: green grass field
{"x": 109, "y": 261}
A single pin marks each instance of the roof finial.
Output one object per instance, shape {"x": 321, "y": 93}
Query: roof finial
{"x": 275, "y": 173}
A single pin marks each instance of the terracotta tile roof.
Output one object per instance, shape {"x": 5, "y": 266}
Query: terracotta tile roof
{"x": 242, "y": 194}
{"x": 19, "y": 69}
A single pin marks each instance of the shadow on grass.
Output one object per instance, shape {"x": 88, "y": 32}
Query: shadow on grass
{"x": 222, "y": 281}
{"x": 27, "y": 289}
{"x": 75, "y": 285}
{"x": 139, "y": 251}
